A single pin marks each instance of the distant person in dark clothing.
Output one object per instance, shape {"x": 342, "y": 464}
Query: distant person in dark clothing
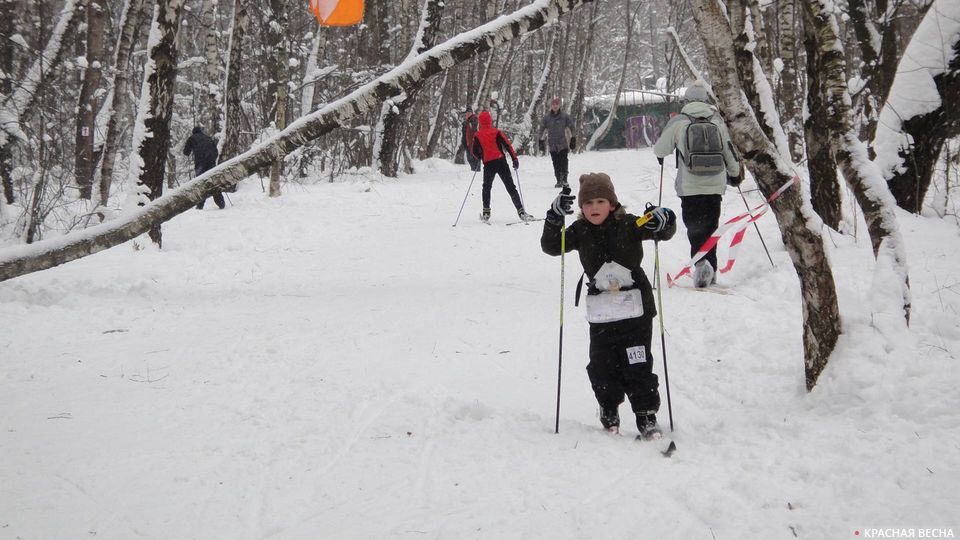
{"x": 556, "y": 134}
{"x": 469, "y": 130}
{"x": 204, "y": 150}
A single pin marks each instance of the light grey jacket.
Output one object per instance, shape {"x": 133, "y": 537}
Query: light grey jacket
{"x": 557, "y": 129}
{"x": 674, "y": 135}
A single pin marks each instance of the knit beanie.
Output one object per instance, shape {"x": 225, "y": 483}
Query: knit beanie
{"x": 696, "y": 92}
{"x": 555, "y": 102}
{"x": 597, "y": 186}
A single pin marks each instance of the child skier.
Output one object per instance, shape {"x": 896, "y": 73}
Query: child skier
{"x": 491, "y": 146}
{"x": 620, "y": 306}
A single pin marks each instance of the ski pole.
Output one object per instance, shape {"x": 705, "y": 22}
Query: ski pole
{"x": 764, "y": 244}
{"x": 519, "y": 191}
{"x": 563, "y": 250}
{"x": 474, "y": 177}
{"x": 663, "y": 339}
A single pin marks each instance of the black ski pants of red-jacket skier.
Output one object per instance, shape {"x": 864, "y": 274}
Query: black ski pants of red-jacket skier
{"x": 621, "y": 364}
{"x": 701, "y": 216}
{"x": 495, "y": 167}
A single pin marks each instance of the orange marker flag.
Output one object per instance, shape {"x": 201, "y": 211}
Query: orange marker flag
{"x": 337, "y": 12}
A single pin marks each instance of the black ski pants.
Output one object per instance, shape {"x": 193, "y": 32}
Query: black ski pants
{"x": 621, "y": 364}
{"x": 495, "y": 167}
{"x": 560, "y": 165}
{"x": 217, "y": 195}
{"x": 701, "y": 216}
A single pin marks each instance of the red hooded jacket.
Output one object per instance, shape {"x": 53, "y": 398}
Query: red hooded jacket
{"x": 489, "y": 143}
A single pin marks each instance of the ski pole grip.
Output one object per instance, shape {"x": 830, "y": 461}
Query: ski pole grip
{"x": 642, "y": 220}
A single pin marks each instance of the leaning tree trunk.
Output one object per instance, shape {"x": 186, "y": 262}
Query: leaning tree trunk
{"x": 862, "y": 175}
{"x": 436, "y": 121}
{"x": 278, "y": 43}
{"x": 20, "y": 260}
{"x": 821, "y": 162}
{"x": 16, "y": 105}
{"x": 151, "y": 139}
{"x": 583, "y": 67}
{"x": 908, "y": 148}
{"x": 89, "y": 102}
{"x": 387, "y": 138}
{"x": 211, "y": 98}
{"x": 231, "y": 144}
{"x": 605, "y": 126}
{"x": 129, "y": 28}
{"x": 821, "y": 316}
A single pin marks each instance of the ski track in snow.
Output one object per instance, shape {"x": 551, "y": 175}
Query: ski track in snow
{"x": 342, "y": 363}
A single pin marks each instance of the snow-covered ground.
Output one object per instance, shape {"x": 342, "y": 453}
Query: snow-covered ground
{"x": 342, "y": 363}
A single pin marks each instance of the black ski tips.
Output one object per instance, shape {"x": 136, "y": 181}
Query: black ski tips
{"x": 670, "y": 449}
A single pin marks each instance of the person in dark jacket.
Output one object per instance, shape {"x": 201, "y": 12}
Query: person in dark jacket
{"x": 556, "y": 133}
{"x": 620, "y": 306}
{"x": 491, "y": 146}
{"x": 466, "y": 137}
{"x": 204, "y": 150}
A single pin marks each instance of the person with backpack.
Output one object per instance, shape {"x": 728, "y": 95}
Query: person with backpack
{"x": 706, "y": 163}
{"x": 556, "y": 132}
{"x": 205, "y": 154}
{"x": 466, "y": 138}
{"x": 491, "y": 146}
{"x": 620, "y": 306}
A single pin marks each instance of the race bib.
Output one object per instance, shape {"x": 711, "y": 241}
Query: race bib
{"x": 611, "y": 306}
{"x": 637, "y": 355}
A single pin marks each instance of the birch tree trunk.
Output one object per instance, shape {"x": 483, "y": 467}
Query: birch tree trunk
{"x": 129, "y": 28}
{"x": 88, "y": 104}
{"x": 20, "y": 260}
{"x": 821, "y": 162}
{"x": 605, "y": 126}
{"x": 8, "y": 27}
{"x": 790, "y": 104}
{"x": 861, "y": 174}
{"x": 278, "y": 46}
{"x": 151, "y": 139}
{"x": 386, "y": 147}
{"x": 436, "y": 121}
{"x": 527, "y": 133}
{"x": 821, "y": 317}
{"x": 231, "y": 143}
{"x": 212, "y": 99}
{"x": 306, "y": 98}
{"x": 583, "y": 68}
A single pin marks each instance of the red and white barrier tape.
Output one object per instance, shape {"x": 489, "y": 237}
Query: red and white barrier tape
{"x": 739, "y": 225}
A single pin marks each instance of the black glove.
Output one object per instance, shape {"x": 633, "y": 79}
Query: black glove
{"x": 562, "y": 205}
{"x": 660, "y": 160}
{"x": 516, "y": 163}
{"x": 573, "y": 143}
{"x": 660, "y": 218}
{"x": 543, "y": 146}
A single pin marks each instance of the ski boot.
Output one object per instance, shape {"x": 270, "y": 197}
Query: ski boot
{"x": 610, "y": 419}
{"x": 647, "y": 425}
{"x": 703, "y": 274}
{"x": 524, "y": 216}
{"x": 485, "y": 215}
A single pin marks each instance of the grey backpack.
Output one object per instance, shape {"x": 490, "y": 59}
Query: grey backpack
{"x": 704, "y": 152}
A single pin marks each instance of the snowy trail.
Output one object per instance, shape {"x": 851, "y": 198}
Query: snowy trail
{"x": 342, "y": 363}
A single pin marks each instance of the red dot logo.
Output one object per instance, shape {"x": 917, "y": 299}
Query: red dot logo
{"x": 856, "y": 533}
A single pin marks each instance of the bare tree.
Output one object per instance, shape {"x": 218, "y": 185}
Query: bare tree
{"x": 212, "y": 99}
{"x": 89, "y": 102}
{"x": 129, "y": 26}
{"x": 277, "y": 42}
{"x": 629, "y": 17}
{"x": 231, "y": 143}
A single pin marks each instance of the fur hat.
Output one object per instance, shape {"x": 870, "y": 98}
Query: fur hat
{"x": 596, "y": 186}
{"x": 696, "y": 92}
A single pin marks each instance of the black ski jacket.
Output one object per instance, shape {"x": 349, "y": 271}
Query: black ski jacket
{"x": 617, "y": 239}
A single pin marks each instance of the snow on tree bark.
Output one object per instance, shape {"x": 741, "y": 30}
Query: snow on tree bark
{"x": 151, "y": 134}
{"x": 212, "y": 98}
{"x": 88, "y": 104}
{"x": 279, "y": 51}
{"x": 608, "y": 121}
{"x": 798, "y": 224}
{"x": 861, "y": 174}
{"x": 20, "y": 260}
{"x": 129, "y": 28}
{"x": 230, "y": 143}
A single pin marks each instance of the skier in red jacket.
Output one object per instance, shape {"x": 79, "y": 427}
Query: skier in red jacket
{"x": 492, "y": 146}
